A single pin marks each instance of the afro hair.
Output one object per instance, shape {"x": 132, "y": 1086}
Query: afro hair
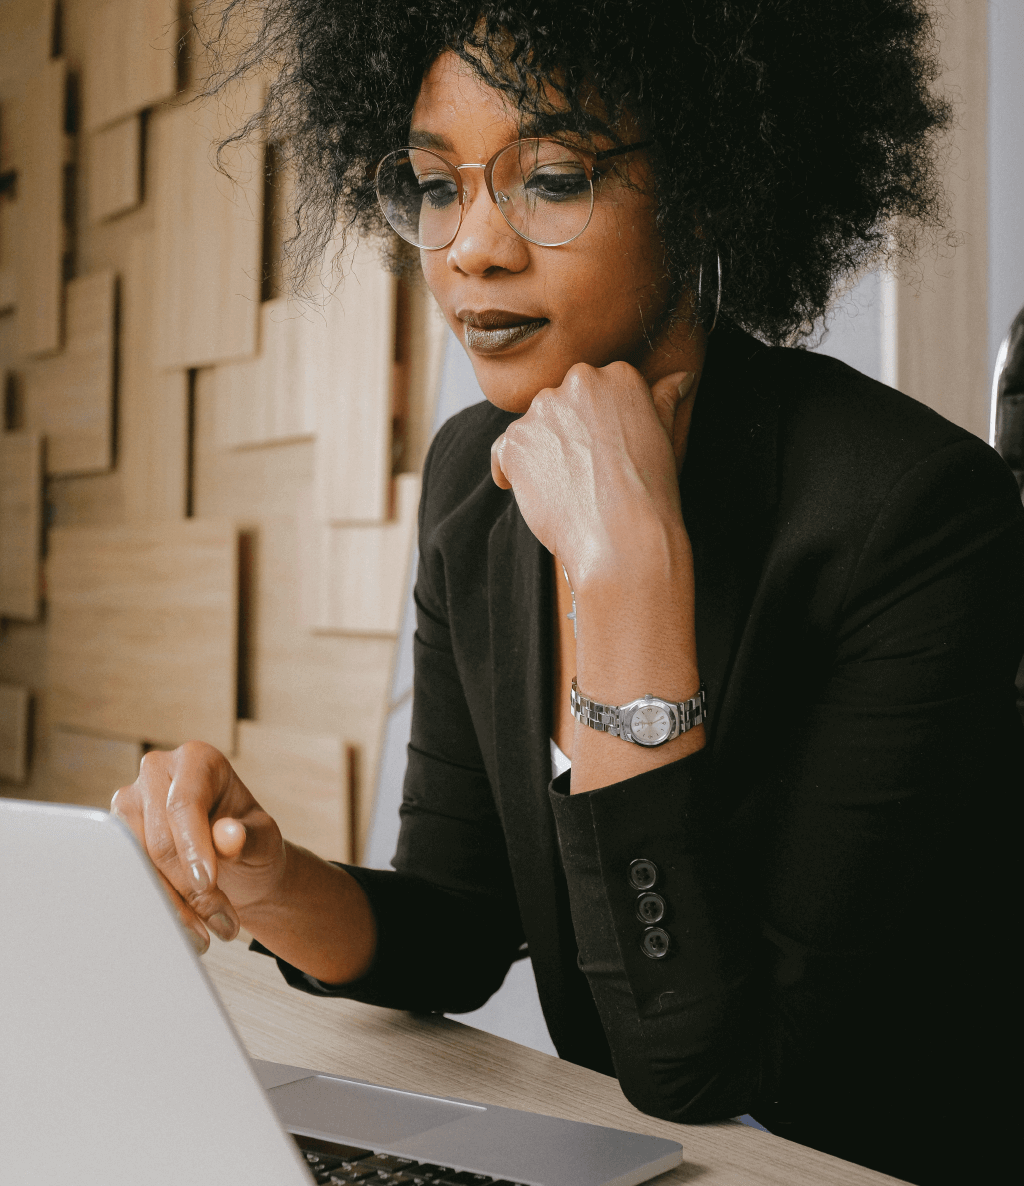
{"x": 795, "y": 141}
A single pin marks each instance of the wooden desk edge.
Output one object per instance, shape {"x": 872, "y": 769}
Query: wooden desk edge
{"x": 439, "y": 1056}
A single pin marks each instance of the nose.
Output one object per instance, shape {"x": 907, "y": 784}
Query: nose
{"x": 485, "y": 241}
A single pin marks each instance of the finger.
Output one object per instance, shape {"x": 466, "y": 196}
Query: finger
{"x": 178, "y": 834}
{"x": 200, "y": 774}
{"x": 197, "y": 934}
{"x": 125, "y": 806}
{"x": 497, "y": 473}
{"x": 229, "y": 838}
{"x": 668, "y": 394}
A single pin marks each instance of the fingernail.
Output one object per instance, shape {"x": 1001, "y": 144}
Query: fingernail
{"x": 221, "y": 925}
{"x": 199, "y": 942}
{"x": 200, "y": 878}
{"x": 685, "y": 383}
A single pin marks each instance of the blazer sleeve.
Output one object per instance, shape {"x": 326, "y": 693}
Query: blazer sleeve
{"x": 876, "y": 799}
{"x": 448, "y": 925}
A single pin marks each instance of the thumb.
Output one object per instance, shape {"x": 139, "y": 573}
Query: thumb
{"x": 497, "y": 473}
{"x": 229, "y": 838}
{"x": 668, "y": 393}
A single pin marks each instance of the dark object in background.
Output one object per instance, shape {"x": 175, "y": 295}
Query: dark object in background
{"x": 1009, "y": 440}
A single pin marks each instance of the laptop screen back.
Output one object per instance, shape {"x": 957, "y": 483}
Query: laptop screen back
{"x": 118, "y": 1062}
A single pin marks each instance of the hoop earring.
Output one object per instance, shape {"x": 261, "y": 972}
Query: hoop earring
{"x": 718, "y": 293}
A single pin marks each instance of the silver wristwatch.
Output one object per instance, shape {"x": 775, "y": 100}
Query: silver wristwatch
{"x": 647, "y": 721}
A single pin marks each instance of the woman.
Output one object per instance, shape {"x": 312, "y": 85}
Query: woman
{"x": 796, "y": 592}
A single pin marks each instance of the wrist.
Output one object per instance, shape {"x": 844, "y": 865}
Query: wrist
{"x": 647, "y": 559}
{"x": 638, "y": 637}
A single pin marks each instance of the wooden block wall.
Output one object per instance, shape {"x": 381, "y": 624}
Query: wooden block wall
{"x": 21, "y": 506}
{"x": 70, "y": 398}
{"x": 87, "y": 769}
{"x": 153, "y": 455}
{"x": 299, "y": 778}
{"x": 208, "y": 235}
{"x": 115, "y": 169}
{"x": 200, "y": 431}
{"x": 942, "y": 303}
{"x": 272, "y": 397}
{"x": 131, "y": 58}
{"x": 357, "y": 572}
{"x": 354, "y": 375}
{"x": 14, "y": 739}
{"x": 143, "y": 629}
{"x": 41, "y": 154}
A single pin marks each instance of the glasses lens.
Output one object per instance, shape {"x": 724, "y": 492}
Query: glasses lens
{"x": 544, "y": 191}
{"x": 419, "y": 195}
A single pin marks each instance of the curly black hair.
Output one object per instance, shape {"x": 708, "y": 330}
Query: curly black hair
{"x": 796, "y": 140}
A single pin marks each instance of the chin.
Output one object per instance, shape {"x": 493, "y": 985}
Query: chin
{"x": 508, "y": 385}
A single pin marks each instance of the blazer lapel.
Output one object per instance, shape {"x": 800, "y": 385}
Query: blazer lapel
{"x": 519, "y": 593}
{"x": 728, "y": 494}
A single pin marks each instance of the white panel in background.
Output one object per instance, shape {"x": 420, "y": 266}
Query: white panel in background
{"x": 1005, "y": 170}
{"x": 859, "y": 327}
{"x": 383, "y": 837}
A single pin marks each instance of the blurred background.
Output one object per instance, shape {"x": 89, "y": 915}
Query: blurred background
{"x": 208, "y": 491}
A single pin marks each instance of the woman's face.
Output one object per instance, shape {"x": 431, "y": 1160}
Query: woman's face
{"x": 601, "y": 298}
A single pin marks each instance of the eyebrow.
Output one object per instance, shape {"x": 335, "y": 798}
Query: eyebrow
{"x": 553, "y": 123}
{"x": 539, "y": 124}
{"x": 419, "y": 139}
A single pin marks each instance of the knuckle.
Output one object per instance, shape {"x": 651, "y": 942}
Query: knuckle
{"x": 198, "y": 752}
{"x": 153, "y": 761}
{"x": 202, "y": 904}
{"x": 162, "y": 849}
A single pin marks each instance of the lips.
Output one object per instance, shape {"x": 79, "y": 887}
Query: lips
{"x": 492, "y": 330}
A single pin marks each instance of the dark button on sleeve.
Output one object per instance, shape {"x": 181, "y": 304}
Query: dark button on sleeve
{"x": 655, "y": 943}
{"x": 650, "y": 908}
{"x": 643, "y": 874}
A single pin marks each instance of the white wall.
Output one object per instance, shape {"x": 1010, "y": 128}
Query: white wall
{"x": 1005, "y": 167}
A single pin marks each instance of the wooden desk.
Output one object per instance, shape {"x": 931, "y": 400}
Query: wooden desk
{"x": 439, "y": 1056}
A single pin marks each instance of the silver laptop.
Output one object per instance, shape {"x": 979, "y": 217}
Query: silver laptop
{"x": 118, "y": 1064}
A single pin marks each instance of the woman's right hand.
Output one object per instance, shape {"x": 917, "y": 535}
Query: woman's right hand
{"x": 215, "y": 849}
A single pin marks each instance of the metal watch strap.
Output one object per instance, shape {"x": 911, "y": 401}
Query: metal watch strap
{"x": 606, "y": 718}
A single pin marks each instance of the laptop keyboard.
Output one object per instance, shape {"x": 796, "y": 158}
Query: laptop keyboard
{"x": 331, "y": 1163}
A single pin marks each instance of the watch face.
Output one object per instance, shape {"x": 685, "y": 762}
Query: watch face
{"x": 650, "y": 724}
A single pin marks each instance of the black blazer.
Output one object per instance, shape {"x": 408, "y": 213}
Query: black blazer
{"x": 860, "y": 615}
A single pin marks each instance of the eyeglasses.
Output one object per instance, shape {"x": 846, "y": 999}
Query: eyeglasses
{"x": 543, "y": 188}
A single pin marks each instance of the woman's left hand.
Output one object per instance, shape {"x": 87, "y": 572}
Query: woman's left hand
{"x": 594, "y": 464}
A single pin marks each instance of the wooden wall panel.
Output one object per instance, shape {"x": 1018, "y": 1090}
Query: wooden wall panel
{"x": 8, "y": 289}
{"x": 273, "y": 397}
{"x": 143, "y": 624}
{"x": 427, "y": 346}
{"x": 21, "y": 513}
{"x": 85, "y": 769}
{"x": 14, "y": 723}
{"x": 42, "y": 153}
{"x": 352, "y": 467}
{"x": 70, "y": 398}
{"x": 115, "y": 172}
{"x": 208, "y": 237}
{"x": 153, "y": 444}
{"x": 942, "y": 306}
{"x": 355, "y": 575}
{"x": 299, "y": 778}
{"x": 131, "y": 60}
